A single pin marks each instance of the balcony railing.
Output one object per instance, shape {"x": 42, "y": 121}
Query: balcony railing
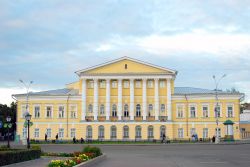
{"x": 101, "y": 118}
{"x": 163, "y": 118}
{"x": 113, "y": 119}
{"x": 150, "y": 118}
{"x": 125, "y": 118}
{"x": 138, "y": 118}
{"x": 89, "y": 118}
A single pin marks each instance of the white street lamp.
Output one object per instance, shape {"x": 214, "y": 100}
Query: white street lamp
{"x": 28, "y": 117}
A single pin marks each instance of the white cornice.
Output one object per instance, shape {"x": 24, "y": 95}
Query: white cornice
{"x": 206, "y": 97}
{"x": 104, "y": 76}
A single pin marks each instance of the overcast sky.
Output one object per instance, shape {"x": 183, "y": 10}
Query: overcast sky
{"x": 47, "y": 41}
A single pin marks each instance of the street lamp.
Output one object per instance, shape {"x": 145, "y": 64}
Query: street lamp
{"x": 28, "y": 117}
{"x": 217, "y": 139}
{"x": 27, "y": 87}
{"x": 8, "y": 119}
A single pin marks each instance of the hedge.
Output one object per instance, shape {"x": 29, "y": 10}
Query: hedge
{"x": 17, "y": 155}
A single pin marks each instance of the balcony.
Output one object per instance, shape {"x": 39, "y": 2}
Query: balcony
{"x": 163, "y": 118}
{"x": 126, "y": 118}
{"x": 89, "y": 118}
{"x": 113, "y": 119}
{"x": 150, "y": 118}
{"x": 138, "y": 118}
{"x": 101, "y": 118}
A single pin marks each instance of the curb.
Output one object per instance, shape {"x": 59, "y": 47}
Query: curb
{"x": 92, "y": 162}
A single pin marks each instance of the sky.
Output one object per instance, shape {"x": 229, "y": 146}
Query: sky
{"x": 47, "y": 41}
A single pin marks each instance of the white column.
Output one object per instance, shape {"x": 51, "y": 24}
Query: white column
{"x": 84, "y": 99}
{"x": 156, "y": 98}
{"x": 107, "y": 99}
{"x": 132, "y": 99}
{"x": 95, "y": 98}
{"x": 119, "y": 99}
{"x": 169, "y": 100}
{"x": 144, "y": 99}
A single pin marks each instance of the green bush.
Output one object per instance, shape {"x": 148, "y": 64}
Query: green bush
{"x": 14, "y": 156}
{"x": 95, "y": 150}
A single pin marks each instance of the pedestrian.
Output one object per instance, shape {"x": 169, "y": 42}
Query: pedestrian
{"x": 82, "y": 140}
{"x": 46, "y": 137}
{"x": 163, "y": 137}
{"x": 56, "y": 137}
{"x": 213, "y": 139}
{"x": 74, "y": 139}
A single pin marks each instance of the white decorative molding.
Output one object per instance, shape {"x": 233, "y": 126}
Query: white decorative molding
{"x": 131, "y": 99}
{"x": 107, "y": 99}
{"x": 156, "y": 98}
{"x": 95, "y": 99}
{"x": 144, "y": 99}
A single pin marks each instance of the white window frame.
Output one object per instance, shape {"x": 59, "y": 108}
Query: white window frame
{"x": 49, "y": 132}
{"x": 150, "y": 109}
{"x": 220, "y": 105}
{"x": 24, "y": 133}
{"x": 90, "y": 84}
{"x": 230, "y": 105}
{"x": 36, "y": 133}
{"x": 180, "y": 133}
{"x": 61, "y": 133}
{"x": 150, "y": 84}
{"x": 23, "y": 110}
{"x": 195, "y": 107}
{"x": 205, "y": 105}
{"x": 114, "y": 84}
{"x": 102, "y": 109}
{"x": 125, "y": 131}
{"x": 205, "y": 133}
{"x": 163, "y": 107}
{"x": 70, "y": 107}
{"x": 125, "y": 84}
{"x": 90, "y": 108}
{"x": 138, "y": 84}
{"x": 162, "y": 84}
{"x": 48, "y": 105}
{"x": 34, "y": 110}
{"x": 102, "y": 84}
{"x": 73, "y": 132}
{"x": 64, "y": 111}
{"x": 177, "y": 110}
{"x": 192, "y": 131}
{"x": 219, "y": 131}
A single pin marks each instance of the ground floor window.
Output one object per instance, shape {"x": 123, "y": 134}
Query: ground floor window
{"x": 125, "y": 132}
{"x": 48, "y": 132}
{"x": 24, "y": 132}
{"x": 113, "y": 132}
{"x": 138, "y": 132}
{"x": 180, "y": 133}
{"x": 192, "y": 131}
{"x": 72, "y": 132}
{"x": 162, "y": 130}
{"x": 218, "y": 131}
{"x": 101, "y": 132}
{"x": 89, "y": 132}
{"x": 205, "y": 133}
{"x": 61, "y": 133}
{"x": 150, "y": 131}
{"x": 36, "y": 134}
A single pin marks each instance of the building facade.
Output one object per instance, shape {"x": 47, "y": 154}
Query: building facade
{"x": 127, "y": 99}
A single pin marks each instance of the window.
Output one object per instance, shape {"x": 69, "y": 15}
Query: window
{"x": 150, "y": 109}
{"x": 162, "y": 130}
{"x": 113, "y": 132}
{"x": 150, "y": 131}
{"x": 126, "y": 66}
{"x": 72, "y": 132}
{"x": 114, "y": 110}
{"x": 138, "y": 84}
{"x": 73, "y": 111}
{"x": 102, "y": 84}
{"x": 24, "y": 110}
{"x": 192, "y": 131}
{"x": 114, "y": 84}
{"x": 90, "y": 84}
{"x": 126, "y": 114}
{"x": 180, "y": 133}
{"x": 180, "y": 111}
{"x": 24, "y": 133}
{"x": 102, "y": 109}
{"x": 36, "y": 133}
{"x": 138, "y": 110}
{"x": 89, "y": 132}
{"x": 150, "y": 84}
{"x": 230, "y": 111}
{"x": 162, "y": 84}
{"x": 138, "y": 132}
{"x": 205, "y": 133}
{"x": 61, "y": 112}
{"x": 49, "y": 111}
{"x": 90, "y": 108}
{"x": 61, "y": 133}
{"x": 37, "y": 111}
{"x": 218, "y": 131}
{"x": 217, "y": 111}
{"x": 101, "y": 132}
{"x": 48, "y": 132}
{"x": 162, "y": 107}
{"x": 126, "y": 84}
{"x": 192, "y": 111}
{"x": 125, "y": 132}
{"x": 205, "y": 111}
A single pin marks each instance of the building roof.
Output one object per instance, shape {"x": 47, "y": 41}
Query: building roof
{"x": 177, "y": 91}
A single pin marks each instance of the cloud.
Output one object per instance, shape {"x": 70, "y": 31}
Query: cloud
{"x": 104, "y": 47}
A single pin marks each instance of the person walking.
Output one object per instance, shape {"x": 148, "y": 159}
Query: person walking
{"x": 56, "y": 137}
{"x": 74, "y": 139}
{"x": 163, "y": 138}
{"x": 46, "y": 137}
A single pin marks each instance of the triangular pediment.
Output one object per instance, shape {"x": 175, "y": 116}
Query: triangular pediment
{"x": 126, "y": 65}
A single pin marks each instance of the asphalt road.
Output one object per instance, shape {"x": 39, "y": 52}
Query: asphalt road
{"x": 183, "y": 155}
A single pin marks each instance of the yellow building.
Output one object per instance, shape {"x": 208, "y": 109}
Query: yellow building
{"x": 127, "y": 99}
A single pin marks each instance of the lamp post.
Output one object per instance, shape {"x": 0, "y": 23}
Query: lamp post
{"x": 28, "y": 117}
{"x": 217, "y": 139}
{"x": 8, "y": 119}
{"x": 27, "y": 87}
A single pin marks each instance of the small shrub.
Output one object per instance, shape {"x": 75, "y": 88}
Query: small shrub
{"x": 95, "y": 150}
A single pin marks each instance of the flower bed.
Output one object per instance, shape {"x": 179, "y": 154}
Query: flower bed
{"x": 77, "y": 157}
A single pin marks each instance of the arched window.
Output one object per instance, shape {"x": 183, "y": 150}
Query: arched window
{"x": 138, "y": 131}
{"x": 101, "y": 132}
{"x": 150, "y": 109}
{"x": 125, "y": 131}
{"x": 150, "y": 131}
{"x": 90, "y": 108}
{"x": 89, "y": 132}
{"x": 162, "y": 130}
{"x": 138, "y": 110}
{"x": 126, "y": 110}
{"x": 114, "y": 110}
{"x": 102, "y": 109}
{"x": 113, "y": 132}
